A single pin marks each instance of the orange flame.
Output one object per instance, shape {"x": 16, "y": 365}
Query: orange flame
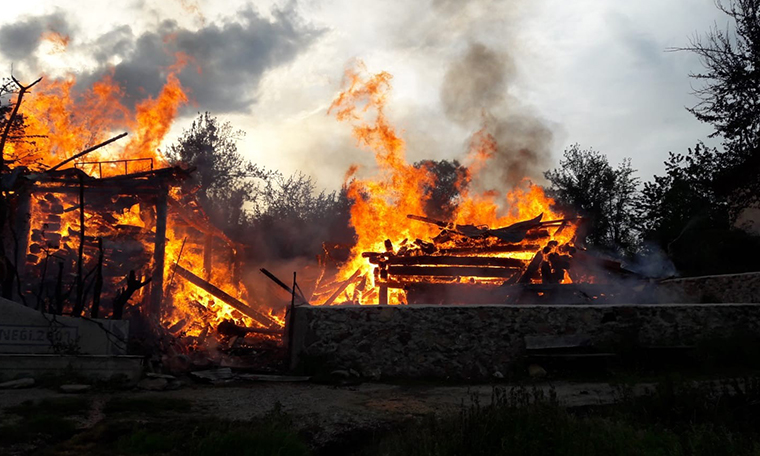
{"x": 58, "y": 41}
{"x": 381, "y": 203}
{"x": 398, "y": 189}
{"x": 62, "y": 120}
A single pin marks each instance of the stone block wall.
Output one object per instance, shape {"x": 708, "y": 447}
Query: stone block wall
{"x": 716, "y": 288}
{"x": 475, "y": 342}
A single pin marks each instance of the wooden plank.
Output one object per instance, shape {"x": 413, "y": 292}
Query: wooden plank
{"x": 456, "y": 260}
{"x": 342, "y": 287}
{"x": 224, "y": 297}
{"x": 451, "y": 271}
{"x": 475, "y": 250}
{"x": 282, "y": 285}
{"x": 532, "y": 268}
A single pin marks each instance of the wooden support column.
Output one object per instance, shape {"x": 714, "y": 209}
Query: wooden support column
{"x": 383, "y": 294}
{"x": 383, "y": 291}
{"x": 159, "y": 256}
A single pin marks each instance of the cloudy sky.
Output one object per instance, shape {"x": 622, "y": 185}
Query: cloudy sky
{"x": 542, "y": 74}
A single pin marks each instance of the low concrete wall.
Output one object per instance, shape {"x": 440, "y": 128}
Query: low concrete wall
{"x": 25, "y": 330}
{"x": 472, "y": 342}
{"x": 715, "y": 288}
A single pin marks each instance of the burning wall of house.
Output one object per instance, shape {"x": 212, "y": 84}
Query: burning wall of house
{"x": 136, "y": 214}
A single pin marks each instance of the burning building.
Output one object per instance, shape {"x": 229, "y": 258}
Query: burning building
{"x": 116, "y": 232}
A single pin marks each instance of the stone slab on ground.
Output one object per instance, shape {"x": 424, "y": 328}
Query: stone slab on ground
{"x": 25, "y": 330}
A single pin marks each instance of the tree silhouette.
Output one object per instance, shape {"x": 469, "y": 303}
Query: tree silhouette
{"x": 451, "y": 178}
{"x": 225, "y": 180}
{"x": 730, "y": 99}
{"x": 586, "y": 183}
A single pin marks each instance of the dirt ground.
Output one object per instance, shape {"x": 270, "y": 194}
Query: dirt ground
{"x": 327, "y": 412}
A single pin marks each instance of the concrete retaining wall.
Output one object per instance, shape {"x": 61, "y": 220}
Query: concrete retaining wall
{"x": 716, "y": 288}
{"x": 25, "y": 330}
{"x": 473, "y": 342}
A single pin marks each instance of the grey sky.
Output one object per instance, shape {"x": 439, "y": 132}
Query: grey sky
{"x": 589, "y": 71}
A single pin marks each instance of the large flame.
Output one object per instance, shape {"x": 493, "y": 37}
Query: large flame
{"x": 63, "y": 119}
{"x": 382, "y": 202}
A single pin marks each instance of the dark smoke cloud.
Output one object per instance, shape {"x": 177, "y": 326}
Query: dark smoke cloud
{"x": 476, "y": 94}
{"x": 19, "y": 40}
{"x": 227, "y": 59}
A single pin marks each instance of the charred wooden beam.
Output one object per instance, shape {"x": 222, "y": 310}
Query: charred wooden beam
{"x": 95, "y": 310}
{"x": 475, "y": 250}
{"x": 79, "y": 303}
{"x": 420, "y": 218}
{"x": 532, "y": 268}
{"x": 87, "y": 151}
{"x": 282, "y": 285}
{"x": 535, "y": 235}
{"x": 159, "y": 256}
{"x": 245, "y": 309}
{"x": 383, "y": 294}
{"x": 517, "y": 231}
{"x": 133, "y": 284}
{"x": 437, "y": 260}
{"x": 464, "y": 230}
{"x": 451, "y": 271}
{"x": 228, "y": 328}
{"x": 342, "y": 287}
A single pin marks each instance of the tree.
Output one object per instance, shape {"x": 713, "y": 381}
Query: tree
{"x": 682, "y": 213}
{"x": 280, "y": 217}
{"x": 586, "y": 183}
{"x": 684, "y": 197}
{"x": 730, "y": 99}
{"x": 291, "y": 219}
{"x": 451, "y": 178}
{"x": 225, "y": 179}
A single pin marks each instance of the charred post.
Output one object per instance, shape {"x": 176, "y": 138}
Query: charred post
{"x": 159, "y": 254}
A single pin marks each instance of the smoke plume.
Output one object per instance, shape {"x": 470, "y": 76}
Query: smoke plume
{"x": 476, "y": 95}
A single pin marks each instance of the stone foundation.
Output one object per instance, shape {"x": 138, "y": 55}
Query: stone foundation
{"x": 475, "y": 342}
{"x": 715, "y": 288}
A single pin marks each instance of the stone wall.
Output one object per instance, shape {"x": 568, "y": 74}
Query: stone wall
{"x": 475, "y": 342}
{"x": 716, "y": 288}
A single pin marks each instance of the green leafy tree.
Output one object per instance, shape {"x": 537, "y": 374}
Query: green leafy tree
{"x": 684, "y": 197}
{"x": 226, "y": 181}
{"x": 291, "y": 218}
{"x": 279, "y": 217}
{"x": 682, "y": 213}
{"x": 451, "y": 178}
{"x": 729, "y": 97}
{"x": 586, "y": 183}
